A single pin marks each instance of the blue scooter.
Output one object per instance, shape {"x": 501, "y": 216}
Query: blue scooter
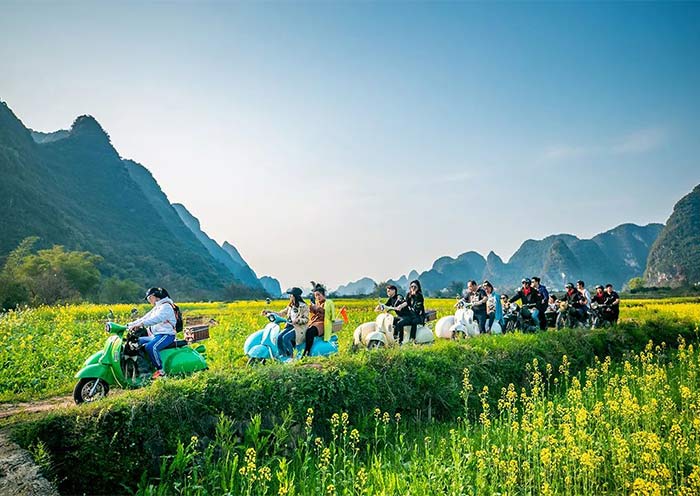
{"x": 262, "y": 345}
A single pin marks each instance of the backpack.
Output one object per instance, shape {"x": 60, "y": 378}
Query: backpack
{"x": 178, "y": 317}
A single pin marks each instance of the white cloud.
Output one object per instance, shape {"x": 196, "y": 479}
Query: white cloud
{"x": 638, "y": 142}
{"x": 641, "y": 141}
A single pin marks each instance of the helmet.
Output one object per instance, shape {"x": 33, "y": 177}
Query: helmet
{"x": 598, "y": 286}
{"x": 526, "y": 281}
{"x": 159, "y": 293}
{"x": 569, "y": 286}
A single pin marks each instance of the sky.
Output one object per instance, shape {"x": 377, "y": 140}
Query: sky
{"x": 331, "y": 141}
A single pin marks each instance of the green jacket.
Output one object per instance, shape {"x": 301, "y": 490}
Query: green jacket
{"x": 331, "y": 314}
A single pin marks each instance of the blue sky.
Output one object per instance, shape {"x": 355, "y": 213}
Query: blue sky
{"x": 331, "y": 141}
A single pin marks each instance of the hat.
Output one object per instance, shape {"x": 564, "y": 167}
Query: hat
{"x": 526, "y": 280}
{"x": 294, "y": 291}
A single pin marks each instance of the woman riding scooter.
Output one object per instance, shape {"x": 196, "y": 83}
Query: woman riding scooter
{"x": 416, "y": 304}
{"x": 297, "y": 315}
{"x": 323, "y": 314}
{"x": 161, "y": 321}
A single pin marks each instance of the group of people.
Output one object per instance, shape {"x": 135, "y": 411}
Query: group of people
{"x": 305, "y": 321}
{"x": 410, "y": 311}
{"x": 535, "y": 294}
{"x": 488, "y": 306}
{"x": 580, "y": 299}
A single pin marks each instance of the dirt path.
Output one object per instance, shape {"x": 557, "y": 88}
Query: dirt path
{"x": 10, "y": 409}
{"x": 19, "y": 475}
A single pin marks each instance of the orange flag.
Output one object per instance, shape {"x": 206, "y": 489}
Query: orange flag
{"x": 344, "y": 314}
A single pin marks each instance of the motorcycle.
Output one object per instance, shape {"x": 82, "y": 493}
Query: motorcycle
{"x": 520, "y": 318}
{"x": 380, "y": 333}
{"x": 262, "y": 344}
{"x": 459, "y": 325}
{"x": 600, "y": 315}
{"x": 568, "y": 316}
{"x": 123, "y": 363}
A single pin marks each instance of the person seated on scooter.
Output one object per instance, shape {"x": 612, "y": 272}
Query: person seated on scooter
{"x": 477, "y": 297}
{"x": 551, "y": 311}
{"x": 494, "y": 309}
{"x": 322, "y": 312}
{"x": 544, "y": 300}
{"x": 599, "y": 296}
{"x": 613, "y": 301}
{"x": 581, "y": 287}
{"x": 160, "y": 321}
{"x": 297, "y": 315}
{"x": 528, "y": 296}
{"x": 576, "y": 301}
{"x": 415, "y": 303}
{"x": 392, "y": 303}
{"x": 394, "y": 300}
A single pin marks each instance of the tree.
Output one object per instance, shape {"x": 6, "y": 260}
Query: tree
{"x": 380, "y": 289}
{"x": 115, "y": 290}
{"x": 48, "y": 276}
{"x": 636, "y": 284}
{"x": 456, "y": 288}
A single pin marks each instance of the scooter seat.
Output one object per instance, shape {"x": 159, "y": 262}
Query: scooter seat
{"x": 179, "y": 343}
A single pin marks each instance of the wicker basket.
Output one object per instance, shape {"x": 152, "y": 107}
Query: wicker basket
{"x": 197, "y": 333}
{"x": 337, "y": 325}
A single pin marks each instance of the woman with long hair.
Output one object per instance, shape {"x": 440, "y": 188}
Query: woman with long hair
{"x": 416, "y": 304}
{"x": 297, "y": 315}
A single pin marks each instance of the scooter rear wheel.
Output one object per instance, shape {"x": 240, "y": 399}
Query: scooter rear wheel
{"x": 82, "y": 390}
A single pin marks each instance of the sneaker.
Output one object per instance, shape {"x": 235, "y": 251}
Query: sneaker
{"x": 158, "y": 374}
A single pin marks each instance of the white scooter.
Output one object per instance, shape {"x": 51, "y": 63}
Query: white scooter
{"x": 380, "y": 333}
{"x": 462, "y": 324}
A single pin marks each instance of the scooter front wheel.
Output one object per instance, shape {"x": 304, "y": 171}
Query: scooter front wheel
{"x": 252, "y": 362}
{"x": 89, "y": 389}
{"x": 375, "y": 344}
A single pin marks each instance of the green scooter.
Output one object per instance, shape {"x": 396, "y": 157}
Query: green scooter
{"x": 123, "y": 363}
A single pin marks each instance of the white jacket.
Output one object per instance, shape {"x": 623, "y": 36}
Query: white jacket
{"x": 161, "y": 318}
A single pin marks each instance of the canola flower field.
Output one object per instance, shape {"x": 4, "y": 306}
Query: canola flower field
{"x": 41, "y": 349}
{"x": 620, "y": 428}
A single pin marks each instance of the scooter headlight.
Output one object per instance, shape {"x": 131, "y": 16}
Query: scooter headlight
{"x": 108, "y": 327}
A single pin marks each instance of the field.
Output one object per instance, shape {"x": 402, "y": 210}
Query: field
{"x": 629, "y": 428}
{"x": 476, "y": 417}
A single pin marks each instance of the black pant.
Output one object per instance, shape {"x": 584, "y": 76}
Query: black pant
{"x": 311, "y": 334}
{"x": 399, "y": 324}
{"x": 543, "y": 318}
{"x": 481, "y": 319}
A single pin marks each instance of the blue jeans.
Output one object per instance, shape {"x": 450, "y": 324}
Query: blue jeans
{"x": 154, "y": 344}
{"x": 287, "y": 340}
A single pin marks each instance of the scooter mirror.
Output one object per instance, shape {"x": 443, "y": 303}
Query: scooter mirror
{"x": 110, "y": 315}
{"x": 134, "y": 312}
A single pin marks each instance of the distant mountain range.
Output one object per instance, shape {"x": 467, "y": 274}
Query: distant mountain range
{"x": 614, "y": 256}
{"x": 71, "y": 187}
